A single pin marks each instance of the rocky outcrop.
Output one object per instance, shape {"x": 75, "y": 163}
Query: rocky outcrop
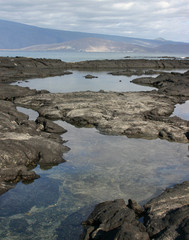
{"x": 131, "y": 72}
{"x": 139, "y": 64}
{"x": 89, "y": 76}
{"x": 113, "y": 220}
{"x": 16, "y": 68}
{"x": 165, "y": 217}
{"x": 132, "y": 114}
{"x": 174, "y": 84}
{"x": 24, "y": 144}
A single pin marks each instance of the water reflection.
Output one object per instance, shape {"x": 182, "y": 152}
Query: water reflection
{"x": 31, "y": 113}
{"x": 182, "y": 110}
{"x": 77, "y": 82}
{"x": 98, "y": 168}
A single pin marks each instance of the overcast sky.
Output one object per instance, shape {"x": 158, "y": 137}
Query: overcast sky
{"x": 138, "y": 18}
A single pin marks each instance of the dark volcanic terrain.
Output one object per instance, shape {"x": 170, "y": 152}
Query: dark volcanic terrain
{"x": 26, "y": 143}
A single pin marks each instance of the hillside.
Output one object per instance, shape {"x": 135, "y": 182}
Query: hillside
{"x": 89, "y": 45}
{"x": 14, "y": 36}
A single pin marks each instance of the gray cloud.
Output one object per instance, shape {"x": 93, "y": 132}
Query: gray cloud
{"x": 138, "y": 18}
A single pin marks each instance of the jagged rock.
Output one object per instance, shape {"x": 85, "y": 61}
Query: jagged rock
{"x": 167, "y": 216}
{"x": 49, "y": 126}
{"x": 132, "y": 204}
{"x": 174, "y": 84}
{"x": 113, "y": 220}
{"x": 18, "y": 68}
{"x": 23, "y": 145}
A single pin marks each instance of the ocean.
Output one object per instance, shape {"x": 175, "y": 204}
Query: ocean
{"x": 83, "y": 56}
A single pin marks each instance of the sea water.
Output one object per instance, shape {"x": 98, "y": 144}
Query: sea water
{"x": 97, "y": 168}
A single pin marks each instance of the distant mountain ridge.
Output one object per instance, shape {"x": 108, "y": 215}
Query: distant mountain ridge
{"x": 17, "y": 36}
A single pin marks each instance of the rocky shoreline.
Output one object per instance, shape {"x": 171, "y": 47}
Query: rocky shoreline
{"x": 26, "y": 144}
{"x": 164, "y": 217}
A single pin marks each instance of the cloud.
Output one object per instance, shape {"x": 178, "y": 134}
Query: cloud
{"x": 123, "y": 6}
{"x": 137, "y": 18}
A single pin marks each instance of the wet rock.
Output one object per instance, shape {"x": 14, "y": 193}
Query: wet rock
{"x": 127, "y": 72}
{"x": 167, "y": 216}
{"x": 113, "y": 220}
{"x": 131, "y": 72}
{"x": 23, "y": 145}
{"x": 18, "y": 68}
{"x": 138, "y": 64}
{"x": 174, "y": 84}
{"x": 132, "y": 204}
{"x": 49, "y": 126}
{"x": 89, "y": 76}
{"x": 10, "y": 92}
{"x": 133, "y": 114}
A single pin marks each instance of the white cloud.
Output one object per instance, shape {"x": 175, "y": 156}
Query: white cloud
{"x": 138, "y": 18}
{"x": 123, "y": 6}
{"x": 163, "y": 4}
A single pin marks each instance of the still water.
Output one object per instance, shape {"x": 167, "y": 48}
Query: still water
{"x": 98, "y": 168}
{"x": 77, "y": 82}
{"x": 182, "y": 110}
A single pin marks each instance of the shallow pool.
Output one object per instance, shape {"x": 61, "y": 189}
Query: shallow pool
{"x": 98, "y": 168}
{"x": 77, "y": 82}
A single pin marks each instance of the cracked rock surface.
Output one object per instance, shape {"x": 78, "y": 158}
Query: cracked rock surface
{"x": 134, "y": 114}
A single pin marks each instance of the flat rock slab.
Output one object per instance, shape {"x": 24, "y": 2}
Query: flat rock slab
{"x": 134, "y": 114}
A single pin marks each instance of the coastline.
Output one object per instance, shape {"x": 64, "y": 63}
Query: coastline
{"x": 17, "y": 131}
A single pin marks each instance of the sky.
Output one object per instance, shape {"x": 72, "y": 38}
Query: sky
{"x": 149, "y": 19}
